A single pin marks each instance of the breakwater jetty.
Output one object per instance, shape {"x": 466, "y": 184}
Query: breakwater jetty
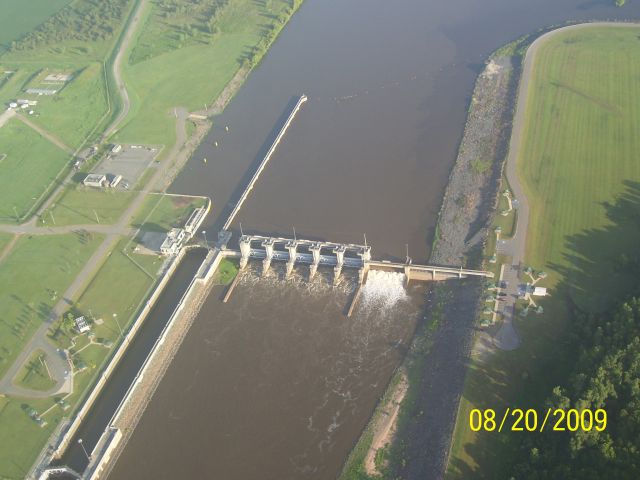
{"x": 263, "y": 163}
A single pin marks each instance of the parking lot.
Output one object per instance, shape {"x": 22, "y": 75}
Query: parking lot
{"x": 130, "y": 162}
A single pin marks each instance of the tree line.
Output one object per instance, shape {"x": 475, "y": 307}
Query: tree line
{"x": 82, "y": 20}
{"x": 607, "y": 376}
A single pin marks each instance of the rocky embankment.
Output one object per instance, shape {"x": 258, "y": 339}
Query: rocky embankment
{"x": 466, "y": 213}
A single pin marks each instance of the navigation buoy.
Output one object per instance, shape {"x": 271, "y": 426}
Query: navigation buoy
{"x": 215, "y": 143}
{"x": 226, "y": 128}
{"x": 204, "y": 160}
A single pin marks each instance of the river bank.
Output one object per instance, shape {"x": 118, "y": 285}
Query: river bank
{"x": 437, "y": 360}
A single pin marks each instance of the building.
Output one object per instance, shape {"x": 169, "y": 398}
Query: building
{"x": 539, "y": 292}
{"x": 82, "y": 325}
{"x": 41, "y": 91}
{"x": 96, "y": 180}
{"x": 194, "y": 220}
{"x": 173, "y": 242}
{"x": 115, "y": 181}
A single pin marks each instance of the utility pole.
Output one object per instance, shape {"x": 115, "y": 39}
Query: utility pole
{"x": 52, "y": 218}
{"x": 96, "y": 214}
{"x": 84, "y": 449}
{"x": 204, "y": 234}
{"x": 115, "y": 317}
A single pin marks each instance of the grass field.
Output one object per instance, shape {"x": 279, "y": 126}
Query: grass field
{"x": 20, "y": 17}
{"x": 77, "y": 109}
{"x": 82, "y": 206}
{"x": 159, "y": 84}
{"x": 577, "y": 161}
{"x": 30, "y": 166}
{"x": 33, "y": 277}
{"x": 34, "y": 373}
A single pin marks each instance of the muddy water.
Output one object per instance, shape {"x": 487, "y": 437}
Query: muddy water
{"x": 277, "y": 384}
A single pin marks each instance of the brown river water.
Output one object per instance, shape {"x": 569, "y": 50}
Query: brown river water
{"x": 278, "y": 383}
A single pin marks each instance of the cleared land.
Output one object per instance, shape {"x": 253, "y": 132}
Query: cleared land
{"x": 578, "y": 164}
{"x": 31, "y": 164}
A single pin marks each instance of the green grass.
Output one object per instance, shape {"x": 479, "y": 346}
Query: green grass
{"x": 20, "y": 17}
{"x": 227, "y": 271}
{"x": 77, "y": 109}
{"x": 82, "y": 206}
{"x": 33, "y": 277}
{"x": 160, "y": 213}
{"x": 21, "y": 438}
{"x": 581, "y": 143}
{"x": 33, "y": 374}
{"x": 5, "y": 238}
{"x": 578, "y": 153}
{"x": 31, "y": 164}
{"x": 159, "y": 84}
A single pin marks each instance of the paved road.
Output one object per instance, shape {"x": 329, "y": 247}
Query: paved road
{"x": 117, "y": 71}
{"x": 507, "y": 337}
{"x": 57, "y": 361}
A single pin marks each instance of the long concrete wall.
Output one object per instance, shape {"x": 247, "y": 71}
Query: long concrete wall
{"x": 105, "y": 453}
{"x": 263, "y": 163}
{"x": 80, "y": 416}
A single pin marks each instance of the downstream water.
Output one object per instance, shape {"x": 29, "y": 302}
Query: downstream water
{"x": 278, "y": 383}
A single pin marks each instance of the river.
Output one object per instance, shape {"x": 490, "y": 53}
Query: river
{"x": 278, "y": 383}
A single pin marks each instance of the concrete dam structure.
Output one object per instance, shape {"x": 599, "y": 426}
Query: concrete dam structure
{"x": 337, "y": 255}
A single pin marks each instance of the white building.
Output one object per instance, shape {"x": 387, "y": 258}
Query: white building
{"x": 96, "y": 180}
{"x": 82, "y": 325}
{"x": 194, "y": 220}
{"x": 173, "y": 242}
{"x": 539, "y": 292}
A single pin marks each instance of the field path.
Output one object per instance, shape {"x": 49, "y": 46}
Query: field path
{"x": 49, "y": 136}
{"x": 6, "y": 115}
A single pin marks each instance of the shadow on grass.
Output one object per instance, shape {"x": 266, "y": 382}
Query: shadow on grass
{"x": 598, "y": 273}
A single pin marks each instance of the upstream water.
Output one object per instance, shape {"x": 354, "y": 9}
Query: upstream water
{"x": 278, "y": 383}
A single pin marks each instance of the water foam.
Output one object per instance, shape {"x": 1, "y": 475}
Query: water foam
{"x": 384, "y": 289}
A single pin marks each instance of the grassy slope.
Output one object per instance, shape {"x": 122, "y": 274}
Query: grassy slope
{"x": 583, "y": 117}
{"x": 160, "y": 83}
{"x": 19, "y": 17}
{"x": 32, "y": 163}
{"x": 32, "y": 279}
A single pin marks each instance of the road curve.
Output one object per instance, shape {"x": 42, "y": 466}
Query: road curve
{"x": 117, "y": 70}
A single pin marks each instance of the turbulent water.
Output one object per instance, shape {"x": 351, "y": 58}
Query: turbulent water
{"x": 279, "y": 374}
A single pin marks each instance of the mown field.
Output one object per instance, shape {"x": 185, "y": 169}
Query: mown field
{"x": 579, "y": 165}
{"x": 30, "y": 163}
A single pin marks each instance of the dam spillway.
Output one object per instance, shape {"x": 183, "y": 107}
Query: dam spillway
{"x": 337, "y": 255}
